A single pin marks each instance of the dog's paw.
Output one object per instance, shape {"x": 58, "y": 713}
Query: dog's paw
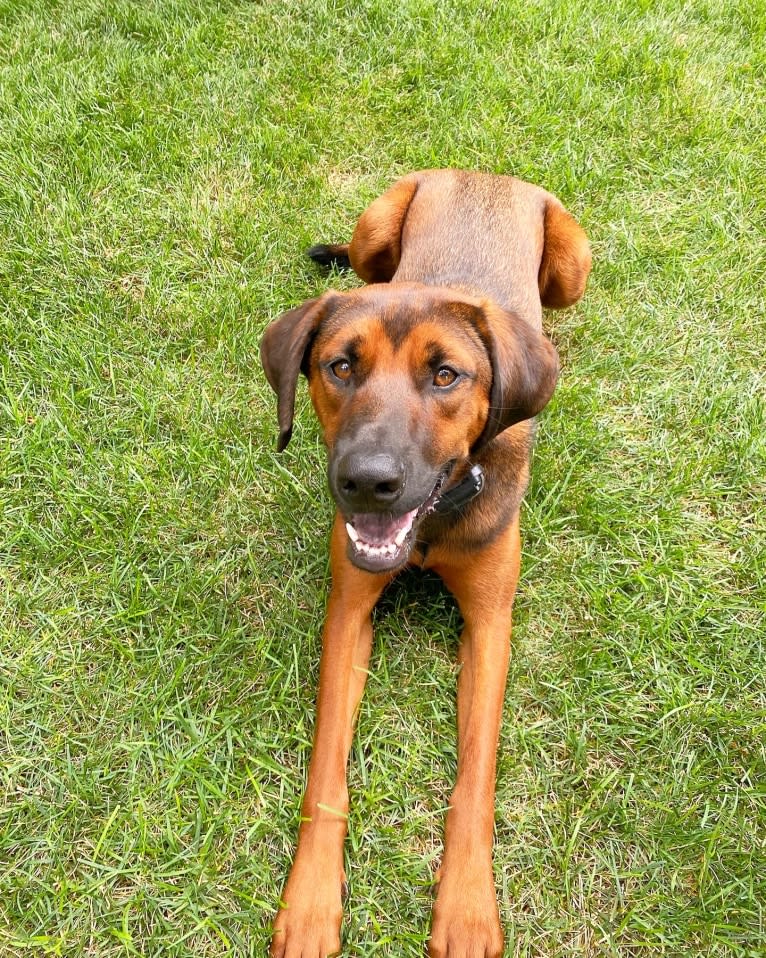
{"x": 466, "y": 923}
{"x": 310, "y": 915}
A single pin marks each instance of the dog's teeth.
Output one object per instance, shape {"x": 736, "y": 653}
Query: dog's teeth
{"x": 386, "y": 550}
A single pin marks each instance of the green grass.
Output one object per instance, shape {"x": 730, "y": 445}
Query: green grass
{"x": 163, "y": 571}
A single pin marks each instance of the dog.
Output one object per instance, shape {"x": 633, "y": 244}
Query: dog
{"x": 425, "y": 383}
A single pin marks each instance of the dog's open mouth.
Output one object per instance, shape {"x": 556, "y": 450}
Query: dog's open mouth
{"x": 380, "y": 541}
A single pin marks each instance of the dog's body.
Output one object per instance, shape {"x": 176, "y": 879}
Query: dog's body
{"x": 437, "y": 367}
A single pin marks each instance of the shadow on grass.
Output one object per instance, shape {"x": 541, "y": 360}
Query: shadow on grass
{"x": 422, "y": 599}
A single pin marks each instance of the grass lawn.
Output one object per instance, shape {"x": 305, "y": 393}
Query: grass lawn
{"x": 163, "y": 571}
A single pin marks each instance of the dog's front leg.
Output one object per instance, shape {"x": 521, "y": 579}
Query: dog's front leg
{"x": 466, "y": 923}
{"x": 308, "y": 922}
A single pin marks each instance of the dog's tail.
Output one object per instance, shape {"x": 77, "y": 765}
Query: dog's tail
{"x": 330, "y": 254}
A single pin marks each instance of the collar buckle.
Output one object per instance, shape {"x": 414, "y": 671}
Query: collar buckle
{"x": 461, "y": 494}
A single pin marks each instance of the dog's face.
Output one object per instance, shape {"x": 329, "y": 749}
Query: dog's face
{"x": 406, "y": 381}
{"x": 402, "y": 393}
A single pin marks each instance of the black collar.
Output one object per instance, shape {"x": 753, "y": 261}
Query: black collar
{"x": 460, "y": 495}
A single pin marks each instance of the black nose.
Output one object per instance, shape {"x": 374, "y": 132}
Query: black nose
{"x": 369, "y": 483}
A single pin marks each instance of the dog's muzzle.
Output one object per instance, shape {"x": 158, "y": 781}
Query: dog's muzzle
{"x": 383, "y": 541}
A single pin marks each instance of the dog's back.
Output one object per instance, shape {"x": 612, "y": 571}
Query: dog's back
{"x": 480, "y": 233}
{"x": 476, "y": 232}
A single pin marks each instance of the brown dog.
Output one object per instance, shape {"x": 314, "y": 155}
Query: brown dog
{"x": 425, "y": 385}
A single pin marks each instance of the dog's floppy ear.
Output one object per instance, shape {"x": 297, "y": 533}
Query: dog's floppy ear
{"x": 284, "y": 351}
{"x": 525, "y": 367}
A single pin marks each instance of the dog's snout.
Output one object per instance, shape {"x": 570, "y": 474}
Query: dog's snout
{"x": 368, "y": 482}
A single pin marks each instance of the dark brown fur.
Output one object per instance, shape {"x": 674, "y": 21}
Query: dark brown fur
{"x": 461, "y": 265}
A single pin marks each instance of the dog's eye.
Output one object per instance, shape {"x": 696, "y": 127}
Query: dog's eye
{"x": 341, "y": 369}
{"x": 445, "y": 377}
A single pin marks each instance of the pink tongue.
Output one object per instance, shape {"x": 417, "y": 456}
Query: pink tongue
{"x": 377, "y": 529}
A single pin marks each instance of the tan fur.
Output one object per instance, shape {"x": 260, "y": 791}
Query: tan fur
{"x": 467, "y": 260}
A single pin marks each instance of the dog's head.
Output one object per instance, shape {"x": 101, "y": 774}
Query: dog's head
{"x": 406, "y": 380}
